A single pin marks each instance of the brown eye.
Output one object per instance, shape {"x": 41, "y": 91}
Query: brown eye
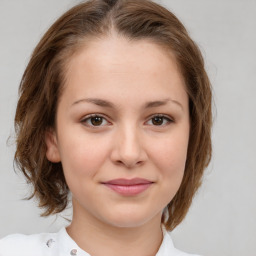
{"x": 157, "y": 120}
{"x": 96, "y": 120}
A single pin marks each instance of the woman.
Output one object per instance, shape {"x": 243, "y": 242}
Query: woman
{"x": 114, "y": 109}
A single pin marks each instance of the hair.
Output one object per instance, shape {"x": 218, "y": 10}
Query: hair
{"x": 43, "y": 79}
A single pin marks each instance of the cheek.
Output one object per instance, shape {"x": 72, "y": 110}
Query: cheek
{"x": 169, "y": 155}
{"x": 82, "y": 156}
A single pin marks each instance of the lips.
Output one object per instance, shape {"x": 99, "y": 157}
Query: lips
{"x": 128, "y": 187}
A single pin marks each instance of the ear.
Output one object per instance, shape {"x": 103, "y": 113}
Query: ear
{"x": 52, "y": 151}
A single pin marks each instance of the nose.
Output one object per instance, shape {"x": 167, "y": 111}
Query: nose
{"x": 128, "y": 149}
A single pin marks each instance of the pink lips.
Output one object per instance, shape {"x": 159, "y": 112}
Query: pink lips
{"x": 128, "y": 187}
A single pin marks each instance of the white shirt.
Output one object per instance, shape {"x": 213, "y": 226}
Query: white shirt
{"x": 61, "y": 244}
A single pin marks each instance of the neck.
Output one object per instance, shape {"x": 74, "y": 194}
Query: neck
{"x": 98, "y": 238}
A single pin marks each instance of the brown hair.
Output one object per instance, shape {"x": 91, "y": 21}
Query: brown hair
{"x": 43, "y": 80}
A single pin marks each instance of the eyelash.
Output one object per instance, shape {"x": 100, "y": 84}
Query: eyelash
{"x": 89, "y": 117}
{"x": 167, "y": 120}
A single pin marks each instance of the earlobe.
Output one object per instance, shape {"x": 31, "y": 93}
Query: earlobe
{"x": 52, "y": 151}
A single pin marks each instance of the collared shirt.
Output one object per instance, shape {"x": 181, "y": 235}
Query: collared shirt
{"x": 61, "y": 244}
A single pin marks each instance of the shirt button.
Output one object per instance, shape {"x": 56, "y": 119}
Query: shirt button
{"x": 50, "y": 242}
{"x": 73, "y": 252}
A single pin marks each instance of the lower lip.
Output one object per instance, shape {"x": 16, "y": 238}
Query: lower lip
{"x": 130, "y": 190}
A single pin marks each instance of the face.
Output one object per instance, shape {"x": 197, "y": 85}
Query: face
{"x": 122, "y": 131}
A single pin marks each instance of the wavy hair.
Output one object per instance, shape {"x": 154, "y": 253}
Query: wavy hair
{"x": 43, "y": 79}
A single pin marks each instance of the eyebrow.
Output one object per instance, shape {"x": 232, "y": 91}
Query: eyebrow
{"x": 158, "y": 103}
{"x": 98, "y": 102}
{"x": 108, "y": 104}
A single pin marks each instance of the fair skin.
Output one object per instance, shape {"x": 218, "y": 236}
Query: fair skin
{"x": 139, "y": 130}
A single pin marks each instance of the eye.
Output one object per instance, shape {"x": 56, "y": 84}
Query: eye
{"x": 95, "y": 120}
{"x": 159, "y": 120}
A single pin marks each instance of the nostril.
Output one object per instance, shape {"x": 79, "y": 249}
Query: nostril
{"x": 129, "y": 164}
{"x": 129, "y": 153}
{"x": 119, "y": 162}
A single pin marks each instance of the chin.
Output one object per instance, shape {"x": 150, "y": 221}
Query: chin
{"x": 128, "y": 224}
{"x": 131, "y": 219}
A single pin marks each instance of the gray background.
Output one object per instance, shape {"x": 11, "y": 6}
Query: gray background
{"x": 222, "y": 219}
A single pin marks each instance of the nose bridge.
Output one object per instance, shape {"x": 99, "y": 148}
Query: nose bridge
{"x": 130, "y": 139}
{"x": 129, "y": 147}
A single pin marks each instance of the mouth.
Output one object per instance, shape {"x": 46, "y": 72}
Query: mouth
{"x": 128, "y": 187}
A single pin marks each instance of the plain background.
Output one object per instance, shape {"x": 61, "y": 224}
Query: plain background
{"x": 222, "y": 219}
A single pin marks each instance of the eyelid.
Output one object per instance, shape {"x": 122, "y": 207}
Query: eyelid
{"x": 167, "y": 117}
{"x": 87, "y": 117}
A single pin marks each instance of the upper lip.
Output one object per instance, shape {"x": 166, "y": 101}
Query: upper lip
{"x": 128, "y": 182}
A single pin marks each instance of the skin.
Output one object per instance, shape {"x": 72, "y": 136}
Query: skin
{"x": 127, "y": 143}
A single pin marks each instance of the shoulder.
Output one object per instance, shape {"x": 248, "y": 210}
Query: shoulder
{"x": 181, "y": 253}
{"x": 167, "y": 248}
{"x": 26, "y": 245}
{"x": 177, "y": 252}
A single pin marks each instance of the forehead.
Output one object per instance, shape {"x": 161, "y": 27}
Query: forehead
{"x": 116, "y": 62}
{"x": 122, "y": 54}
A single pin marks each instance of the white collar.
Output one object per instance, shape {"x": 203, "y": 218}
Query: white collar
{"x": 68, "y": 246}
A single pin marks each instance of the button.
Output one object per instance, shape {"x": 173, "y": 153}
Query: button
{"x": 73, "y": 252}
{"x": 50, "y": 242}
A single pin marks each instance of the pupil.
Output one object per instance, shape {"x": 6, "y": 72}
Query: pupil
{"x": 158, "y": 120}
{"x": 97, "y": 120}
